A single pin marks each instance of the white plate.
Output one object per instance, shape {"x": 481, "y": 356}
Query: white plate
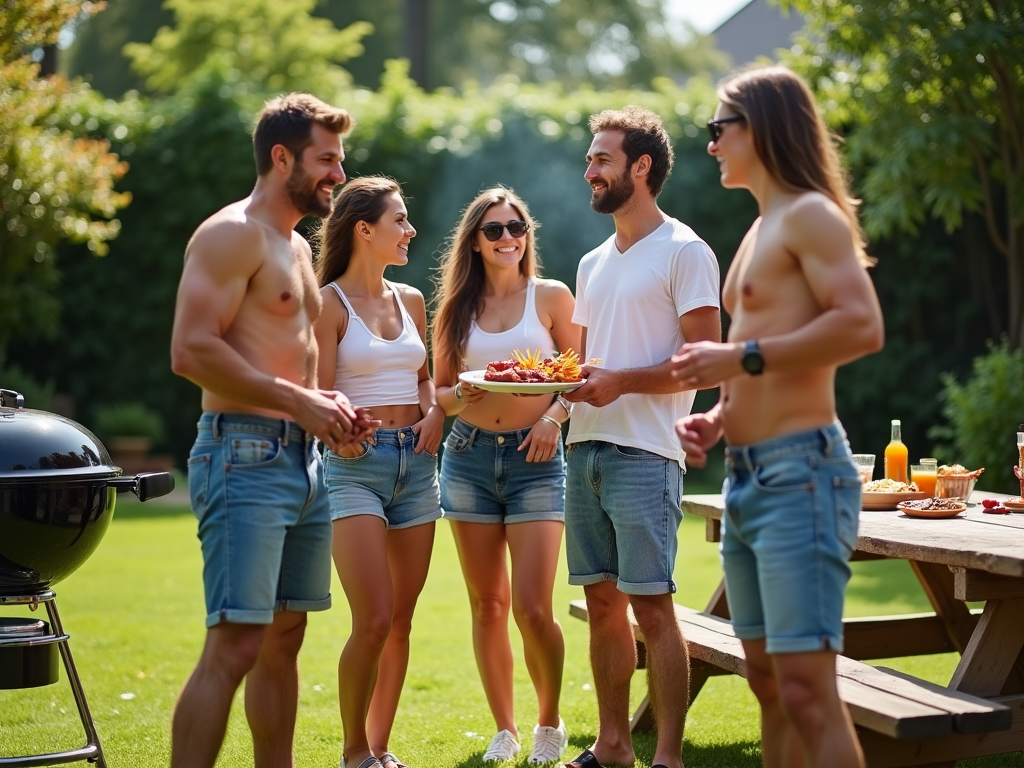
{"x": 476, "y": 379}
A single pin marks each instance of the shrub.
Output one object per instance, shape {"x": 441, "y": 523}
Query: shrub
{"x": 983, "y": 414}
{"x": 127, "y": 420}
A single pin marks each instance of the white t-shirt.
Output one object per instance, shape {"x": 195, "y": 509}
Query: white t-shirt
{"x": 630, "y": 304}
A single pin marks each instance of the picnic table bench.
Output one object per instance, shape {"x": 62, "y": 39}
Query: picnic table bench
{"x": 902, "y": 720}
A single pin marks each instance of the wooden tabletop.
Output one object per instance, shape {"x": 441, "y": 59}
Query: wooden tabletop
{"x": 973, "y": 540}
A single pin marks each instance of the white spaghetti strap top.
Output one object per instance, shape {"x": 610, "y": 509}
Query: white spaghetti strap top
{"x": 483, "y": 347}
{"x": 375, "y": 371}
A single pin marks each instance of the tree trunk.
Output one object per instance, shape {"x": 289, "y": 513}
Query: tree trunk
{"x": 417, "y": 40}
{"x": 1015, "y": 269}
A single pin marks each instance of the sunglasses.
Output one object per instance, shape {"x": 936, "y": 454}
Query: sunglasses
{"x": 715, "y": 126}
{"x": 492, "y": 230}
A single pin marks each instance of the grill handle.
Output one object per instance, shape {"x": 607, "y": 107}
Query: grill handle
{"x": 9, "y": 394}
{"x": 146, "y": 486}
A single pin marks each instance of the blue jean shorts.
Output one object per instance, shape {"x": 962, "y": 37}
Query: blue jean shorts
{"x": 485, "y": 478}
{"x": 789, "y": 528}
{"x": 622, "y": 516}
{"x": 388, "y": 480}
{"x": 264, "y": 525}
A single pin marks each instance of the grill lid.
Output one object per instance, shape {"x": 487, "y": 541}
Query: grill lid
{"x": 41, "y": 446}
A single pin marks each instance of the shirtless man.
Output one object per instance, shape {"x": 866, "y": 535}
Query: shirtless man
{"x": 641, "y": 294}
{"x": 801, "y": 305}
{"x": 243, "y": 332}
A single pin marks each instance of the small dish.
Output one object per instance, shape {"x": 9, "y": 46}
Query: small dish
{"x": 933, "y": 514}
{"x": 1015, "y": 503}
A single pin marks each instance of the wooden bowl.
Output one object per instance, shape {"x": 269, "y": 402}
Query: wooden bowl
{"x": 877, "y": 502}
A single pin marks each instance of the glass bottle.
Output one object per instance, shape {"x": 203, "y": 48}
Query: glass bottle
{"x": 896, "y": 456}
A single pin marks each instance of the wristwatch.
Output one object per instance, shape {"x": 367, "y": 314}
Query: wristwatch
{"x": 753, "y": 362}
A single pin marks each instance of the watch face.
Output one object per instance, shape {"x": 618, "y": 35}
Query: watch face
{"x": 753, "y": 363}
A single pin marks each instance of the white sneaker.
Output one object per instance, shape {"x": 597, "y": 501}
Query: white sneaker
{"x": 548, "y": 743}
{"x": 504, "y": 746}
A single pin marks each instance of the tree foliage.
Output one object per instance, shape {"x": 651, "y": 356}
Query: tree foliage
{"x": 55, "y": 184}
{"x": 931, "y": 98}
{"x": 279, "y": 45}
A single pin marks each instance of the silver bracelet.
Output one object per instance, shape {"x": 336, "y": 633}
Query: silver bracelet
{"x": 458, "y": 393}
{"x": 549, "y": 420}
{"x": 566, "y": 405}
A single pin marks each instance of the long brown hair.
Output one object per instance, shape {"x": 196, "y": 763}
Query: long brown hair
{"x": 791, "y": 139}
{"x": 363, "y": 199}
{"x": 459, "y": 281}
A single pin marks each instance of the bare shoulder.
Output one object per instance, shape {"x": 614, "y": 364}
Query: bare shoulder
{"x": 411, "y": 297}
{"x": 229, "y": 239}
{"x": 815, "y": 226}
{"x": 810, "y": 211}
{"x": 553, "y": 291}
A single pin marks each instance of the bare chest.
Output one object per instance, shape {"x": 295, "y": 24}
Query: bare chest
{"x": 285, "y": 286}
{"x": 761, "y": 273}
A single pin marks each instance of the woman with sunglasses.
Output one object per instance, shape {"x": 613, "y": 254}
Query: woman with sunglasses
{"x": 503, "y": 472}
{"x": 383, "y": 492}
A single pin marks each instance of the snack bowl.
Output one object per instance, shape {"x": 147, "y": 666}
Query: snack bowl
{"x": 955, "y": 486}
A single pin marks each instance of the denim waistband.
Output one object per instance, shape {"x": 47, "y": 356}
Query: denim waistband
{"x": 824, "y": 440}
{"x": 486, "y": 437}
{"x": 252, "y": 423}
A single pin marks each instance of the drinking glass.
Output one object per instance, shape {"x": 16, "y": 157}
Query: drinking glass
{"x": 924, "y": 475}
{"x": 865, "y": 465}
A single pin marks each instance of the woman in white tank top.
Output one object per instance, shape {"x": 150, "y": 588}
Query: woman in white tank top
{"x": 503, "y": 471}
{"x": 383, "y": 492}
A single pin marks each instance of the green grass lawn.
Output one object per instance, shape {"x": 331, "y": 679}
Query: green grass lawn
{"x": 135, "y": 614}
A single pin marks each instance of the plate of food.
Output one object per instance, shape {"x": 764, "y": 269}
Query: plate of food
{"x": 1016, "y": 504}
{"x": 932, "y": 508}
{"x": 881, "y": 495}
{"x": 529, "y": 374}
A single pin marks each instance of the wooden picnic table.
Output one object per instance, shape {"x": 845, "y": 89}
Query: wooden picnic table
{"x": 973, "y": 557}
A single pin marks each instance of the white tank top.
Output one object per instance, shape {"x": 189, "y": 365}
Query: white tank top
{"x": 375, "y": 371}
{"x": 483, "y": 347}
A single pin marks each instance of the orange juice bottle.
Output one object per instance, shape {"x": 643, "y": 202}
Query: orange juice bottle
{"x": 896, "y": 456}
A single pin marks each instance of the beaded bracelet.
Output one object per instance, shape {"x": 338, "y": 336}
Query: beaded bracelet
{"x": 549, "y": 420}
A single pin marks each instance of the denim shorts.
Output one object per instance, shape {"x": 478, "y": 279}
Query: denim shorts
{"x": 789, "y": 528}
{"x": 485, "y": 478}
{"x": 622, "y": 516}
{"x": 264, "y": 525}
{"x": 387, "y": 480}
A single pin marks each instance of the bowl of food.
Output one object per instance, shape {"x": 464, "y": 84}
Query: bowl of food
{"x": 932, "y": 508}
{"x": 881, "y": 495}
{"x": 955, "y": 481}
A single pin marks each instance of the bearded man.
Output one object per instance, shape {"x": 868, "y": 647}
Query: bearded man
{"x": 640, "y": 295}
{"x": 243, "y": 332}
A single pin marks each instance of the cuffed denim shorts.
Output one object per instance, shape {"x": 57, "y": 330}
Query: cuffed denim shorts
{"x": 264, "y": 525}
{"x": 485, "y": 478}
{"x": 622, "y": 516}
{"x": 789, "y": 528}
{"x": 388, "y": 480}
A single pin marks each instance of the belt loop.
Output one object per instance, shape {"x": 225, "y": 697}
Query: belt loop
{"x": 472, "y": 437}
{"x": 829, "y": 440}
{"x": 748, "y": 460}
{"x": 284, "y": 432}
{"x": 215, "y": 426}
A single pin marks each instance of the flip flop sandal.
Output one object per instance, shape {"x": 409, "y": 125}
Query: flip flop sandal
{"x": 389, "y": 757}
{"x": 370, "y": 762}
{"x": 585, "y": 760}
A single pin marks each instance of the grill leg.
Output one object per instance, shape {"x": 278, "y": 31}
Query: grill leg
{"x": 76, "y": 686}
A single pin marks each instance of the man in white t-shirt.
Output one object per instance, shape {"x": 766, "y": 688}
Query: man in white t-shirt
{"x": 640, "y": 295}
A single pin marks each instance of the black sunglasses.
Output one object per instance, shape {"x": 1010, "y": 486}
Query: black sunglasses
{"x": 715, "y": 126}
{"x": 492, "y": 230}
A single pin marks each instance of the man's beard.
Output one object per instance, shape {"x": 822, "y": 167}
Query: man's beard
{"x": 304, "y": 197}
{"x": 615, "y": 195}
